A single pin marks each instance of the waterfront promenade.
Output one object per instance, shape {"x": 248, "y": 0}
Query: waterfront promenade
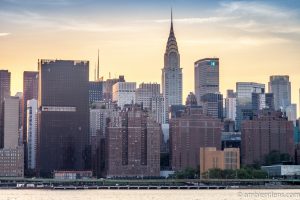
{"x": 33, "y": 183}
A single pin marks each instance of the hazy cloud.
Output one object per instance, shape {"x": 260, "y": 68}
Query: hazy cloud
{"x": 44, "y": 2}
{"x": 260, "y": 17}
{"x": 199, "y": 20}
{"x": 244, "y": 41}
{"x": 4, "y": 34}
{"x": 60, "y": 24}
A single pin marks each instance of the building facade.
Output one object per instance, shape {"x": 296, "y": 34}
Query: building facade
{"x": 280, "y": 86}
{"x": 108, "y": 87}
{"x": 63, "y": 118}
{"x": 291, "y": 113}
{"x": 211, "y": 158}
{"x": 244, "y": 91}
{"x": 145, "y": 92}
{"x": 31, "y": 138}
{"x": 11, "y": 122}
{"x": 95, "y": 91}
{"x": 124, "y": 93}
{"x": 190, "y": 131}
{"x": 206, "y": 74}
{"x": 133, "y": 144}
{"x": 12, "y": 162}
{"x": 172, "y": 73}
{"x": 266, "y": 132}
{"x": 262, "y": 101}
{"x": 30, "y": 91}
{"x": 212, "y": 104}
{"x": 230, "y": 105}
{"x": 158, "y": 109}
{"x": 4, "y": 92}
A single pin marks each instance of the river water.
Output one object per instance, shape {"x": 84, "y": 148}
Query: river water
{"x": 14, "y": 194}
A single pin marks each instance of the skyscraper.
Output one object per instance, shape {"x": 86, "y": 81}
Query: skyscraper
{"x": 145, "y": 92}
{"x": 172, "y": 73}
{"x": 124, "y": 93}
{"x": 63, "y": 118}
{"x": 30, "y": 91}
{"x": 230, "y": 105}
{"x": 262, "y": 101}
{"x": 158, "y": 109}
{"x": 95, "y": 91}
{"x": 148, "y": 95}
{"x": 4, "y": 92}
{"x": 11, "y": 122}
{"x": 291, "y": 113}
{"x": 244, "y": 91}
{"x": 133, "y": 144}
{"x": 31, "y": 143}
{"x": 266, "y": 132}
{"x": 280, "y": 86}
{"x": 212, "y": 104}
{"x": 108, "y": 87}
{"x": 206, "y": 74}
{"x": 190, "y": 131}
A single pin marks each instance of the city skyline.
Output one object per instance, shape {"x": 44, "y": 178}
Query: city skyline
{"x": 252, "y": 43}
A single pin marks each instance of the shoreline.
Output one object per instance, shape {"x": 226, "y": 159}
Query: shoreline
{"x": 151, "y": 187}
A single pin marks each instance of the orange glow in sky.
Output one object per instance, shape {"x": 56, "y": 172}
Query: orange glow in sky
{"x": 253, "y": 39}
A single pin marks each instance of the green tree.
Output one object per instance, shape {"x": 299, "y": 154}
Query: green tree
{"x": 188, "y": 173}
{"x": 274, "y": 157}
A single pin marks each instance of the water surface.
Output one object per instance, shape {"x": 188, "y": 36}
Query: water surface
{"x": 14, "y": 194}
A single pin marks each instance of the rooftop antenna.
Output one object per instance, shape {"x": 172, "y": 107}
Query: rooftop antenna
{"x": 95, "y": 71}
{"x": 172, "y": 15}
{"x": 98, "y": 67}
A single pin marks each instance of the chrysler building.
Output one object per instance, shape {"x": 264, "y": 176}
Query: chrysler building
{"x": 172, "y": 73}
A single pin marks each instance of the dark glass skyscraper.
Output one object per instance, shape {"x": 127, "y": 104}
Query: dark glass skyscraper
{"x": 280, "y": 86}
{"x": 212, "y": 104}
{"x": 95, "y": 91}
{"x": 244, "y": 91}
{"x": 63, "y": 119}
{"x": 4, "y": 92}
{"x": 30, "y": 91}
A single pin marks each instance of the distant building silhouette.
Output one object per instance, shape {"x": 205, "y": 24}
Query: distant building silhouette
{"x": 4, "y": 92}
{"x": 30, "y": 91}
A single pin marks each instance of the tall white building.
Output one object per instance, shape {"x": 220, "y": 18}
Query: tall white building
{"x": 172, "y": 73}
{"x": 124, "y": 93}
{"x": 148, "y": 95}
{"x": 31, "y": 133}
{"x": 158, "y": 109}
{"x": 230, "y": 105}
{"x": 99, "y": 118}
{"x": 291, "y": 113}
{"x": 11, "y": 122}
{"x": 145, "y": 92}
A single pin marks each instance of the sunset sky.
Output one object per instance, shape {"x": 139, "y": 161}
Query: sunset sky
{"x": 253, "y": 39}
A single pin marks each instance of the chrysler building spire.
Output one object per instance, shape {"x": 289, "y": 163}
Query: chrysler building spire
{"x": 172, "y": 57}
{"x": 172, "y": 20}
